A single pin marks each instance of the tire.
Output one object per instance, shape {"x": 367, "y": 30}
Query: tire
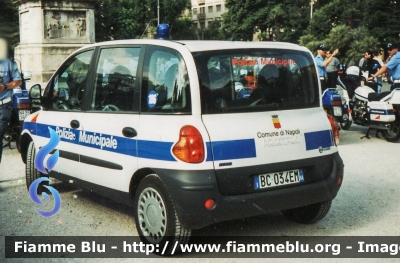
{"x": 393, "y": 134}
{"x": 308, "y": 214}
{"x": 346, "y": 125}
{"x": 31, "y": 172}
{"x": 156, "y": 218}
{"x": 18, "y": 140}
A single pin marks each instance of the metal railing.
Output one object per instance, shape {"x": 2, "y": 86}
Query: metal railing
{"x": 201, "y": 16}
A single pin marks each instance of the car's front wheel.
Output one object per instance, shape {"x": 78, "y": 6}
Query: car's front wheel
{"x": 156, "y": 219}
{"x": 31, "y": 172}
{"x": 308, "y": 214}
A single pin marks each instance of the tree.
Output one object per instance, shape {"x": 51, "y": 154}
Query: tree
{"x": 240, "y": 21}
{"x": 354, "y": 27}
{"x": 170, "y": 11}
{"x": 381, "y": 19}
{"x": 337, "y": 12}
{"x": 124, "y": 19}
{"x": 184, "y": 30}
{"x": 281, "y": 20}
{"x": 120, "y": 19}
{"x": 9, "y": 20}
{"x": 214, "y": 31}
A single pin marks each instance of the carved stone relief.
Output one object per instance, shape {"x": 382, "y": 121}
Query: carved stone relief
{"x": 65, "y": 24}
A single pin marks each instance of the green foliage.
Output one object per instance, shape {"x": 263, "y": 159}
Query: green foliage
{"x": 214, "y": 31}
{"x": 9, "y": 28}
{"x": 354, "y": 27}
{"x": 339, "y": 36}
{"x": 281, "y": 20}
{"x": 125, "y": 19}
{"x": 183, "y": 30}
{"x": 381, "y": 19}
{"x": 240, "y": 21}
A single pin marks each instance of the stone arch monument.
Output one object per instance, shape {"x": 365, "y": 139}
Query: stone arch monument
{"x": 50, "y": 31}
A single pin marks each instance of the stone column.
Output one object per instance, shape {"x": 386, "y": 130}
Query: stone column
{"x": 50, "y": 31}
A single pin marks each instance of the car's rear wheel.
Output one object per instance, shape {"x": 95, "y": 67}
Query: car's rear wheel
{"x": 308, "y": 214}
{"x": 156, "y": 218}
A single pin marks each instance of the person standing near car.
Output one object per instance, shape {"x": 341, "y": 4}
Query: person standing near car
{"x": 393, "y": 66}
{"x": 322, "y": 63}
{"x": 332, "y": 69}
{"x": 9, "y": 79}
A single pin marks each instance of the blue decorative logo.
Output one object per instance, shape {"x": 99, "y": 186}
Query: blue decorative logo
{"x": 45, "y": 150}
{"x": 50, "y": 163}
{"x": 35, "y": 198}
{"x": 152, "y": 99}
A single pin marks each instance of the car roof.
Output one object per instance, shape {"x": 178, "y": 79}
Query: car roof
{"x": 195, "y": 46}
{"x": 203, "y": 45}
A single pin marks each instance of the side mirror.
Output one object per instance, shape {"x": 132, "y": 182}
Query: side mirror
{"x": 35, "y": 92}
{"x": 27, "y": 75}
{"x": 35, "y": 97}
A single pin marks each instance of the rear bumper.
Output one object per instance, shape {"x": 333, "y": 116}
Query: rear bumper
{"x": 190, "y": 189}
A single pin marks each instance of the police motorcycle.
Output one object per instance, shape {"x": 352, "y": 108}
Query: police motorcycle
{"x": 349, "y": 80}
{"x": 334, "y": 105}
{"x": 377, "y": 111}
{"x": 21, "y": 107}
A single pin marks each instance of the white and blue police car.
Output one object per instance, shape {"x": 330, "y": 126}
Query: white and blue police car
{"x": 190, "y": 133}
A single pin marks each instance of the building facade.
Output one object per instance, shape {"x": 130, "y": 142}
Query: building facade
{"x": 205, "y": 11}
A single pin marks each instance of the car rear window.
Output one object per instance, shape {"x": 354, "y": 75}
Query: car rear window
{"x": 256, "y": 80}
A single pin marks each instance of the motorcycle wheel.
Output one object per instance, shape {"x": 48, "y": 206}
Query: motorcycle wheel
{"x": 346, "y": 125}
{"x": 393, "y": 134}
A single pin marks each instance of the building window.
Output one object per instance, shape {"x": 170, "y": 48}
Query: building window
{"x": 218, "y": 8}
{"x": 202, "y": 25}
{"x": 210, "y": 9}
{"x": 194, "y": 11}
{"x": 202, "y": 10}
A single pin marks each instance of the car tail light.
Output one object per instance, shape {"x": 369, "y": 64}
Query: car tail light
{"x": 339, "y": 181}
{"x": 335, "y": 129}
{"x": 336, "y": 103}
{"x": 209, "y": 204}
{"x": 24, "y": 105}
{"x": 190, "y": 146}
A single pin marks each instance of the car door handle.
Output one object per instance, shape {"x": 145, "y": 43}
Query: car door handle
{"x": 129, "y": 132}
{"x": 75, "y": 124}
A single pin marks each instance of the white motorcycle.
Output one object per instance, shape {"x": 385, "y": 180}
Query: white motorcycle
{"x": 377, "y": 111}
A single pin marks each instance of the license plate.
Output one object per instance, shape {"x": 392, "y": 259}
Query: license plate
{"x": 279, "y": 178}
{"x": 337, "y": 111}
{"x": 23, "y": 113}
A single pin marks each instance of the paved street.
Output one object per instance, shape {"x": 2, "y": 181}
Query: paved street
{"x": 367, "y": 204}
